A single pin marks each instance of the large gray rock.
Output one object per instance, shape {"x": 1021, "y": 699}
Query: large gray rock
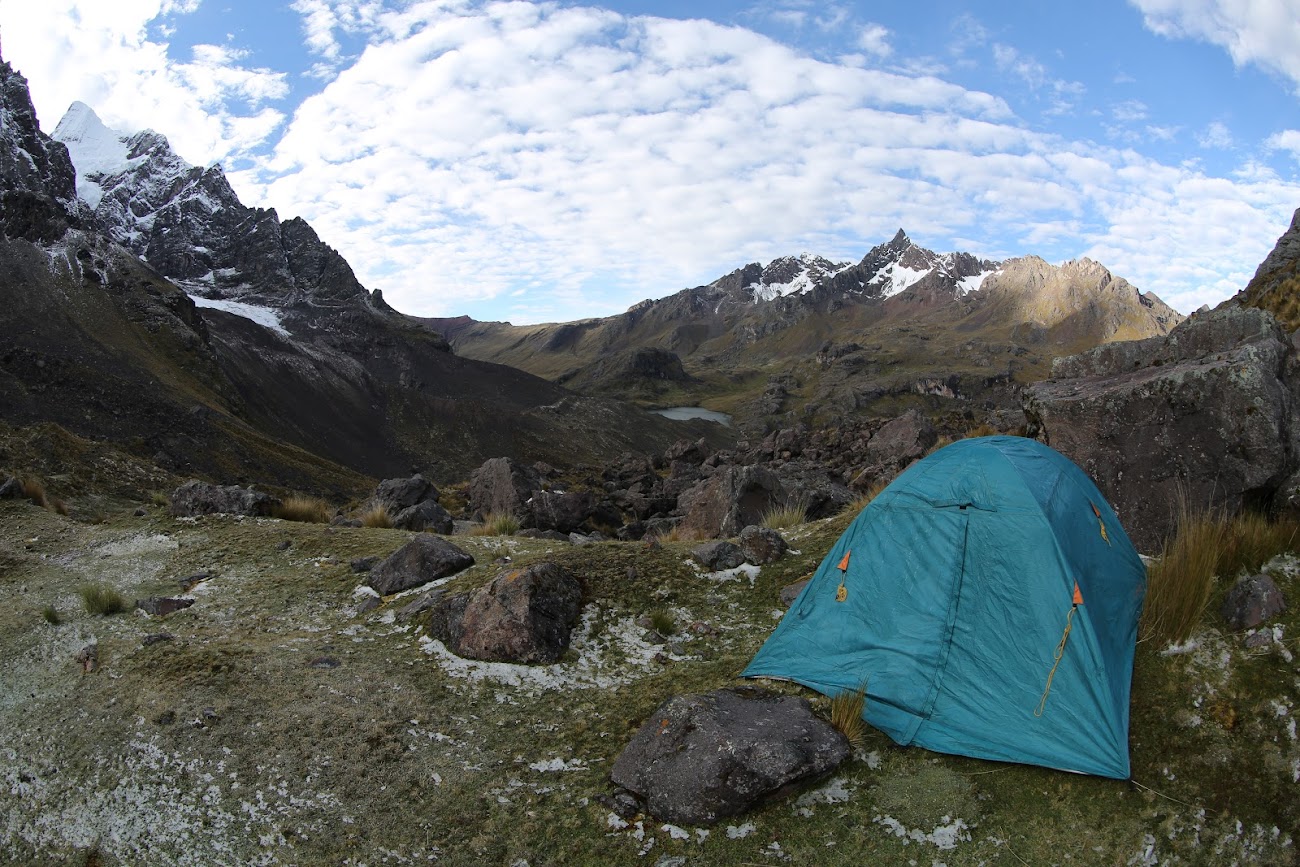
{"x": 902, "y": 440}
{"x": 1252, "y": 601}
{"x": 396, "y": 495}
{"x": 1207, "y": 410}
{"x": 199, "y": 498}
{"x": 717, "y": 555}
{"x": 427, "y": 515}
{"x": 562, "y": 512}
{"x": 425, "y": 558}
{"x": 730, "y": 500}
{"x": 522, "y": 616}
{"x": 502, "y": 486}
{"x": 702, "y": 758}
{"x": 761, "y": 545}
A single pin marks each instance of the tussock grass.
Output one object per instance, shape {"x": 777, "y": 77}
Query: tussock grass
{"x": 1206, "y": 544}
{"x": 497, "y": 524}
{"x": 309, "y": 510}
{"x": 50, "y": 615}
{"x": 680, "y": 533}
{"x": 663, "y": 622}
{"x": 862, "y": 500}
{"x": 59, "y": 507}
{"x": 102, "y": 599}
{"x": 789, "y": 515}
{"x": 1252, "y": 540}
{"x": 158, "y": 498}
{"x": 34, "y": 490}
{"x": 377, "y": 517}
{"x": 983, "y": 429}
{"x": 846, "y": 715}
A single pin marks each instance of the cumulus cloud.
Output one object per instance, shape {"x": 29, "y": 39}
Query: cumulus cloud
{"x": 211, "y": 106}
{"x": 1262, "y": 32}
{"x": 874, "y": 39}
{"x": 1215, "y": 136}
{"x": 1286, "y": 140}
{"x": 511, "y": 151}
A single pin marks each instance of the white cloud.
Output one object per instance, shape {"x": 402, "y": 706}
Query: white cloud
{"x": 1215, "y": 136}
{"x": 511, "y": 151}
{"x": 1263, "y": 32}
{"x": 874, "y": 39}
{"x": 1286, "y": 140}
{"x": 1129, "y": 111}
{"x": 209, "y": 107}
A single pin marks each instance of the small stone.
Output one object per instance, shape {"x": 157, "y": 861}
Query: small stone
{"x": 189, "y": 583}
{"x": 699, "y": 627}
{"x": 662, "y": 658}
{"x": 370, "y": 603}
{"x": 645, "y": 622}
{"x": 651, "y": 636}
{"x": 325, "y": 662}
{"x": 1256, "y": 640}
{"x": 165, "y": 718}
{"x": 677, "y": 648}
{"x": 1252, "y": 601}
{"x": 161, "y": 606}
{"x": 156, "y": 637}
{"x": 88, "y": 656}
{"x": 363, "y": 564}
{"x": 283, "y": 545}
{"x": 141, "y": 512}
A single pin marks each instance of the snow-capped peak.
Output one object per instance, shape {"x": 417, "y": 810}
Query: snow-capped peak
{"x": 794, "y": 275}
{"x": 95, "y": 149}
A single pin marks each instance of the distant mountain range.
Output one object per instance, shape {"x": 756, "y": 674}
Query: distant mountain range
{"x": 156, "y": 311}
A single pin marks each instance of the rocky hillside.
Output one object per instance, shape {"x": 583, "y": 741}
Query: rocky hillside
{"x": 218, "y": 340}
{"x": 806, "y": 339}
{"x": 1276, "y": 284}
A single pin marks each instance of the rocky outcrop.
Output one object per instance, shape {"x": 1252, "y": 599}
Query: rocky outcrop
{"x": 200, "y": 498}
{"x": 718, "y": 555}
{"x": 413, "y": 505}
{"x": 730, "y": 500}
{"x": 502, "y": 486}
{"x": 38, "y": 199}
{"x": 425, "y": 558}
{"x": 702, "y": 758}
{"x": 563, "y": 512}
{"x": 522, "y": 616}
{"x": 1207, "y": 412}
{"x": 1276, "y": 284}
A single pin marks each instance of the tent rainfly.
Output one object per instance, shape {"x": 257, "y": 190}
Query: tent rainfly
{"x": 988, "y": 599}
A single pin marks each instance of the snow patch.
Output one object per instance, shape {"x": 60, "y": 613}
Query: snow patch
{"x": 267, "y": 317}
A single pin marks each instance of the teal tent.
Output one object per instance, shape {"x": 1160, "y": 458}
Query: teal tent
{"x": 988, "y": 599}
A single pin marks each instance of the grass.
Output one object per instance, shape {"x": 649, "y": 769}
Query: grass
{"x": 377, "y": 517}
{"x": 789, "y": 515}
{"x": 158, "y": 498}
{"x": 981, "y": 430}
{"x": 663, "y": 622}
{"x": 51, "y": 615}
{"x": 102, "y": 599}
{"x": 846, "y": 715}
{"x": 1206, "y": 544}
{"x": 34, "y": 491}
{"x": 497, "y": 524}
{"x": 862, "y": 500}
{"x": 309, "y": 510}
{"x": 680, "y": 533}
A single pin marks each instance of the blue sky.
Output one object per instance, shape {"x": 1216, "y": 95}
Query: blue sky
{"x": 552, "y": 161}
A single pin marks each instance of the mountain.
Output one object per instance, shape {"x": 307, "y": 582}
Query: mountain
{"x": 1276, "y": 284}
{"x": 160, "y": 313}
{"x": 819, "y": 340}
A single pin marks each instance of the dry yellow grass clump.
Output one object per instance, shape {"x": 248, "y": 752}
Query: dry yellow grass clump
{"x": 377, "y": 516}
{"x": 310, "y": 510}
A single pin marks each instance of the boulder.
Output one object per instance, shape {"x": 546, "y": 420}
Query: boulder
{"x": 426, "y": 515}
{"x": 902, "y": 440}
{"x": 718, "y": 555}
{"x": 12, "y": 489}
{"x": 790, "y": 592}
{"x": 425, "y": 558}
{"x": 397, "y": 495}
{"x": 730, "y": 500}
{"x": 1206, "y": 412}
{"x": 562, "y": 512}
{"x": 199, "y": 498}
{"x": 521, "y": 616}
{"x": 760, "y": 545}
{"x": 1252, "y": 601}
{"x": 502, "y": 486}
{"x": 702, "y": 758}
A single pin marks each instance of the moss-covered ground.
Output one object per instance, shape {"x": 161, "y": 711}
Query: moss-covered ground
{"x": 282, "y": 724}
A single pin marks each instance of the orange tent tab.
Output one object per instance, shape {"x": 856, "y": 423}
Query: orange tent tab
{"x": 844, "y": 564}
{"x": 1095, "y": 510}
{"x": 1078, "y": 597}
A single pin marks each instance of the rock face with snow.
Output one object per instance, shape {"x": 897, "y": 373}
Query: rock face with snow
{"x": 187, "y": 222}
{"x": 38, "y": 200}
